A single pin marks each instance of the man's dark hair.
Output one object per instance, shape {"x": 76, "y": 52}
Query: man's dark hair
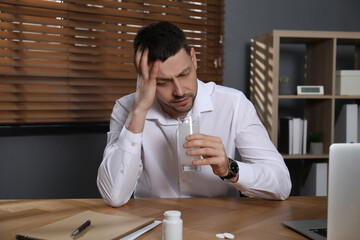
{"x": 163, "y": 40}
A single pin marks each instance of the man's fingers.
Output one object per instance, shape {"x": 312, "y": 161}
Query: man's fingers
{"x": 200, "y": 136}
{"x": 144, "y": 68}
{"x": 205, "y": 161}
{"x": 208, "y": 152}
{"x": 212, "y": 150}
{"x": 142, "y": 64}
{"x": 137, "y": 58}
{"x": 214, "y": 162}
{"x": 203, "y": 143}
{"x": 154, "y": 69}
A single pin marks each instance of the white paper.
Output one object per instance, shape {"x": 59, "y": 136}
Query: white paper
{"x": 141, "y": 231}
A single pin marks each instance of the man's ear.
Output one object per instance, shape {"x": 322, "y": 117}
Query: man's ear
{"x": 193, "y": 57}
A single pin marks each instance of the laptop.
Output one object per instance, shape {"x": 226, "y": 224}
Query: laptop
{"x": 343, "y": 220}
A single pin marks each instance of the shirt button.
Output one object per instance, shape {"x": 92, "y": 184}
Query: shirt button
{"x": 133, "y": 144}
{"x": 122, "y": 170}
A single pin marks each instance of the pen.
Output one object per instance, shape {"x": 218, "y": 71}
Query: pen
{"x": 82, "y": 227}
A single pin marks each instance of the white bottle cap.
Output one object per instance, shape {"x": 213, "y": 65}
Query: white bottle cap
{"x": 172, "y": 214}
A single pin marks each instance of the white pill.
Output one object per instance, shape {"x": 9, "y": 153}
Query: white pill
{"x": 229, "y": 236}
{"x": 220, "y": 235}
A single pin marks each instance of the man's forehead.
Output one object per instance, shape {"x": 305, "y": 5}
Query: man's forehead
{"x": 174, "y": 65}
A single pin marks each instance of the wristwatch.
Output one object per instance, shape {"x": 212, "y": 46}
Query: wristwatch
{"x": 233, "y": 169}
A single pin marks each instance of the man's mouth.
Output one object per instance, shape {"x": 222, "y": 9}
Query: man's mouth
{"x": 182, "y": 102}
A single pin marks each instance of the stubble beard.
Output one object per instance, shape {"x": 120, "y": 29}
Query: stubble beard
{"x": 181, "y": 109}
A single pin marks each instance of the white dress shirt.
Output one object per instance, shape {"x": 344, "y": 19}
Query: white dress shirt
{"x": 147, "y": 163}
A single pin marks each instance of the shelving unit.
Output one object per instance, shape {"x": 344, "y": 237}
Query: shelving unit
{"x": 320, "y": 58}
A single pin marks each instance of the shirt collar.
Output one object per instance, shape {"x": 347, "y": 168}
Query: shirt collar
{"x": 203, "y": 101}
{"x": 202, "y": 104}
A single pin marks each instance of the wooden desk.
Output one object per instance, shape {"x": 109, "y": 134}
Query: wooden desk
{"x": 203, "y": 217}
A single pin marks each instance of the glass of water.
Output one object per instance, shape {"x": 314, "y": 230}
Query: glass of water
{"x": 186, "y": 126}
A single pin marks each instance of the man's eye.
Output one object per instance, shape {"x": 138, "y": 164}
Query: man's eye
{"x": 161, "y": 83}
{"x": 184, "y": 75}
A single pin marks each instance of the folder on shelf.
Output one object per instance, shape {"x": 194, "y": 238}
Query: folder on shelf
{"x": 297, "y": 136}
{"x": 286, "y": 135}
{"x": 304, "y": 148}
{"x": 293, "y": 136}
{"x": 358, "y": 126}
{"x": 103, "y": 226}
{"x": 346, "y": 126}
{"x": 315, "y": 183}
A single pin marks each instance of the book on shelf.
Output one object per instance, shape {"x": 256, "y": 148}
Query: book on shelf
{"x": 297, "y": 136}
{"x": 347, "y": 123}
{"x": 285, "y": 135}
{"x": 292, "y": 136}
{"x": 304, "y": 144}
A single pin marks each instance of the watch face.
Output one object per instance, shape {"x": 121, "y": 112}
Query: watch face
{"x": 234, "y": 168}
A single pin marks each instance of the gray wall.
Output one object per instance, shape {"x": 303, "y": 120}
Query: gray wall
{"x": 51, "y": 162}
{"x": 245, "y": 19}
{"x": 63, "y": 163}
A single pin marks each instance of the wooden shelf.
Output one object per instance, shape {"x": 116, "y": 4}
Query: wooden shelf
{"x": 306, "y": 156}
{"x": 320, "y": 58}
{"x": 346, "y": 97}
{"x": 305, "y": 97}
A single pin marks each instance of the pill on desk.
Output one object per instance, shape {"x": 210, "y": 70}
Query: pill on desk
{"x": 220, "y": 235}
{"x": 229, "y": 236}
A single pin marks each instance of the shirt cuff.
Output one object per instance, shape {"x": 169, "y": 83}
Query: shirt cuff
{"x": 246, "y": 176}
{"x": 129, "y": 142}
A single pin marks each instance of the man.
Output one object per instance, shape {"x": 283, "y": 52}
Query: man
{"x": 141, "y": 153}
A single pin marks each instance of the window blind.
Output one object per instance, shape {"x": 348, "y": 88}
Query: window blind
{"x": 68, "y": 61}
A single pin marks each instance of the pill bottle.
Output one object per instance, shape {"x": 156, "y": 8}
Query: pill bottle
{"x": 172, "y": 226}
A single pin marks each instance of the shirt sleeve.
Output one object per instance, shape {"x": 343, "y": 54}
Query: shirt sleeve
{"x": 121, "y": 165}
{"x": 262, "y": 171}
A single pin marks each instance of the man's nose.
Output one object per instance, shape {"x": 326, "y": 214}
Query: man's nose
{"x": 178, "y": 89}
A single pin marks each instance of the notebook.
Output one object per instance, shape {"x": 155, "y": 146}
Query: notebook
{"x": 343, "y": 220}
{"x": 103, "y": 226}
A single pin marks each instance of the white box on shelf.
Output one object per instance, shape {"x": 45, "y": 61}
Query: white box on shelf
{"x": 348, "y": 82}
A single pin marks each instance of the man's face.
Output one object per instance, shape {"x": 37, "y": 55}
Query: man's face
{"x": 176, "y": 83}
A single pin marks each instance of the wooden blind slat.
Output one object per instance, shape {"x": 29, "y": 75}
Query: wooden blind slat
{"x": 15, "y": 53}
{"x": 30, "y": 106}
{"x": 68, "y": 61}
{"x": 38, "y": 4}
{"x": 15, "y": 80}
{"x": 34, "y": 97}
{"x": 77, "y": 37}
{"x": 24, "y": 10}
{"x": 96, "y": 10}
{"x": 10, "y": 88}
{"x": 63, "y": 48}
{"x": 65, "y": 65}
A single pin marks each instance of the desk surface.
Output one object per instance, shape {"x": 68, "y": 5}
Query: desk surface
{"x": 203, "y": 217}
